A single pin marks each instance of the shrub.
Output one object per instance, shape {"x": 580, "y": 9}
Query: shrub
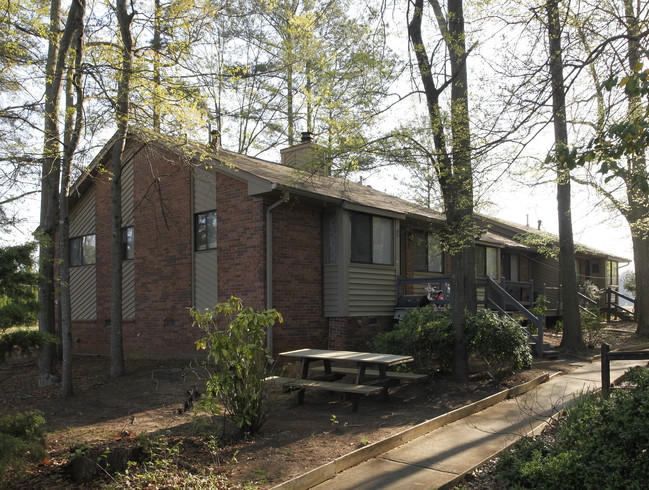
{"x": 425, "y": 333}
{"x": 599, "y": 444}
{"x": 238, "y": 352}
{"x": 23, "y": 341}
{"x": 22, "y": 440}
{"x": 592, "y": 327}
{"x": 499, "y": 341}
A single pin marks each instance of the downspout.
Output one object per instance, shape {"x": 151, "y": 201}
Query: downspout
{"x": 269, "y": 268}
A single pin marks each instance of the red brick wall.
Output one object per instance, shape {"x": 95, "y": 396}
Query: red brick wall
{"x": 241, "y": 243}
{"x": 297, "y": 276}
{"x": 356, "y": 333}
{"x": 163, "y": 225}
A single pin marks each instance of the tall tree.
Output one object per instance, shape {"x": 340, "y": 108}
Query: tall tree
{"x": 612, "y": 34}
{"x": 299, "y": 65}
{"x": 453, "y": 166}
{"x": 73, "y": 123}
{"x": 571, "y": 340}
{"x": 60, "y": 41}
{"x": 637, "y": 212}
{"x": 122, "y": 113}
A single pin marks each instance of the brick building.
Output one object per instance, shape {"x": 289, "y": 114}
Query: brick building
{"x": 200, "y": 224}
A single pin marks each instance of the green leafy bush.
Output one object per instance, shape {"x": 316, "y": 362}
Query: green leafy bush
{"x": 235, "y": 340}
{"x": 599, "y": 444}
{"x": 22, "y": 440}
{"x": 425, "y": 333}
{"x": 23, "y": 341}
{"x": 499, "y": 341}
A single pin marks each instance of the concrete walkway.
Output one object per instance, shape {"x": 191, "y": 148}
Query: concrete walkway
{"x": 441, "y": 457}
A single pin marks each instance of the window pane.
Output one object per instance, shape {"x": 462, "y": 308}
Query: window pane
{"x": 614, "y": 273}
{"x": 480, "y": 261}
{"x": 76, "y": 255}
{"x": 127, "y": 243}
{"x": 211, "y": 229}
{"x": 88, "y": 249}
{"x": 205, "y": 230}
{"x": 435, "y": 254}
{"x": 492, "y": 262}
{"x": 361, "y": 237}
{"x": 201, "y": 232}
{"x": 515, "y": 267}
{"x": 420, "y": 251}
{"x": 382, "y": 240}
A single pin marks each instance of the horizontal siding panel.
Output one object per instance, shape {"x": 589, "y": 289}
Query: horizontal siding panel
{"x": 545, "y": 271}
{"x": 372, "y": 290}
{"x": 82, "y": 217}
{"x": 83, "y": 292}
{"x": 205, "y": 280}
{"x": 128, "y": 200}
{"x": 128, "y": 289}
{"x": 204, "y": 189}
{"x": 331, "y": 288}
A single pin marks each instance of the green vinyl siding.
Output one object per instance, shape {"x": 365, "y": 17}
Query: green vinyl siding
{"x": 372, "y": 290}
{"x": 128, "y": 201}
{"x": 206, "y": 285}
{"x": 128, "y": 289}
{"x": 205, "y": 276}
{"x": 83, "y": 287}
{"x": 332, "y": 299}
{"x": 83, "y": 279}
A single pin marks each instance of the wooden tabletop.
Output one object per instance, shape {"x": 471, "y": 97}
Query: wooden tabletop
{"x": 344, "y": 355}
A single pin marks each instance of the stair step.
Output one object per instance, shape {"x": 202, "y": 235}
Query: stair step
{"x": 550, "y": 354}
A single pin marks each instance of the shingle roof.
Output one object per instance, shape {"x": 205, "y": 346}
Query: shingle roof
{"x": 517, "y": 229}
{"x": 322, "y": 187}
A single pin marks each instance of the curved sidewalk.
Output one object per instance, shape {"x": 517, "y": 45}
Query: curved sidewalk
{"x": 441, "y": 457}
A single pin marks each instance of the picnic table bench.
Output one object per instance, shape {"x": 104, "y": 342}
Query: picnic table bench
{"x": 362, "y": 386}
{"x": 373, "y": 372}
{"x": 352, "y": 390}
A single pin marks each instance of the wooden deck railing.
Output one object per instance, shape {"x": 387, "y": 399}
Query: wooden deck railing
{"x": 608, "y": 356}
{"x": 507, "y": 299}
{"x": 613, "y": 304}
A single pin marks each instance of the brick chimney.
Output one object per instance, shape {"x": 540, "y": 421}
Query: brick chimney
{"x": 306, "y": 155}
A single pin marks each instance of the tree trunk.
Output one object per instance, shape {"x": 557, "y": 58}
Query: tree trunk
{"x": 72, "y": 133}
{"x": 454, "y": 171}
{"x": 572, "y": 340}
{"x": 460, "y": 207}
{"x": 638, "y": 201}
{"x": 122, "y": 114}
{"x": 49, "y": 198}
{"x": 59, "y": 46}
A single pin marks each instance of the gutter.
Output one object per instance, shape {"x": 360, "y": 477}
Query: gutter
{"x": 269, "y": 267}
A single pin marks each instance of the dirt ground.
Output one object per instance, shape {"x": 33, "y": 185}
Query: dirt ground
{"x": 295, "y": 439}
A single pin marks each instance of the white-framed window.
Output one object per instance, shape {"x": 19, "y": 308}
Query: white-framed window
{"x": 205, "y": 230}
{"x": 372, "y": 239}
{"x": 83, "y": 250}
{"x": 428, "y": 254}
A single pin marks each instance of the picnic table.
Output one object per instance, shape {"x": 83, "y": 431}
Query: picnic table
{"x": 381, "y": 377}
